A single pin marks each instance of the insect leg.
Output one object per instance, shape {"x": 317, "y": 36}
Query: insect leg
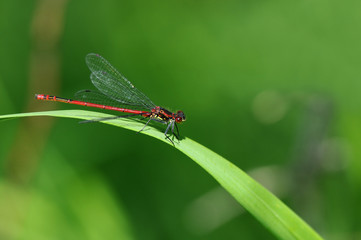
{"x": 145, "y": 125}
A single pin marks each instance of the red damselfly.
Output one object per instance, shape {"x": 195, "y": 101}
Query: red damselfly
{"x": 116, "y": 93}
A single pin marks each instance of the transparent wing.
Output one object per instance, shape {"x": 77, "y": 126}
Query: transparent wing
{"x": 94, "y": 96}
{"x": 114, "y": 85}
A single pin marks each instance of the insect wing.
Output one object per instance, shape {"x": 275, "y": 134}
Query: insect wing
{"x": 113, "y": 84}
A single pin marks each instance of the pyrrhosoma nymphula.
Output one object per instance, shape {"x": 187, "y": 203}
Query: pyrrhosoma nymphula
{"x": 116, "y": 93}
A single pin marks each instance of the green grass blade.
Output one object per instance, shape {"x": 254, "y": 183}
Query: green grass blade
{"x": 267, "y": 208}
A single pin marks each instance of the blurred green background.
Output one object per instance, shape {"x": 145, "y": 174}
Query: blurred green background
{"x": 273, "y": 86}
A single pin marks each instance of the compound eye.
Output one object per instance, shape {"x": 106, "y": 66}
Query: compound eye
{"x": 178, "y": 119}
{"x": 181, "y": 116}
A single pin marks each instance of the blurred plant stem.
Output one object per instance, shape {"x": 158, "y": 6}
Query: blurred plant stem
{"x": 44, "y": 68}
{"x": 310, "y": 157}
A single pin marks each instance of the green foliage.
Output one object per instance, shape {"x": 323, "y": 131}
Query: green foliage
{"x": 268, "y": 209}
{"x": 252, "y": 78}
